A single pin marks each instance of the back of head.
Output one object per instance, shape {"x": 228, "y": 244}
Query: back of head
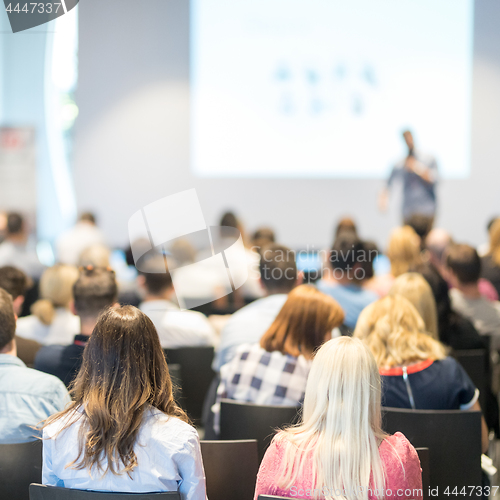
{"x": 403, "y": 250}
{"x": 156, "y": 278}
{"x": 341, "y": 421}
{"x": 94, "y": 291}
{"x": 345, "y": 224}
{"x": 14, "y": 281}
{"x": 436, "y": 242}
{"x": 228, "y": 219}
{"x": 123, "y": 374}
{"x": 415, "y": 288}
{"x": 88, "y": 217}
{"x": 15, "y": 224}
{"x": 464, "y": 262}
{"x": 495, "y": 242}
{"x": 278, "y": 269}
{"x": 262, "y": 237}
{"x": 395, "y": 333}
{"x": 347, "y": 251}
{"x": 56, "y": 290}
{"x": 421, "y": 224}
{"x": 7, "y": 319}
{"x": 303, "y": 322}
{"x": 95, "y": 255}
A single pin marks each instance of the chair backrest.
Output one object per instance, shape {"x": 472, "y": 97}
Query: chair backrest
{"x": 475, "y": 363}
{"x": 20, "y": 465}
{"x": 41, "y": 492}
{"x": 249, "y": 421}
{"x": 453, "y": 438}
{"x": 175, "y": 376}
{"x": 423, "y": 455}
{"x": 196, "y": 375}
{"x": 230, "y": 468}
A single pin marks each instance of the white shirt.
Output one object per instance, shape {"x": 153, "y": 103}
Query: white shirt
{"x": 62, "y": 330}
{"x": 21, "y": 257}
{"x": 247, "y": 326}
{"x": 71, "y": 244}
{"x": 483, "y": 313}
{"x": 178, "y": 328}
{"x": 168, "y": 457}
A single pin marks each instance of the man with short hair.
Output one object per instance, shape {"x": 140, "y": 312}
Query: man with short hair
{"x": 348, "y": 258}
{"x": 278, "y": 276}
{"x": 16, "y": 283}
{"x": 26, "y": 395}
{"x": 94, "y": 291}
{"x": 14, "y": 251}
{"x": 464, "y": 268}
{"x": 175, "y": 328}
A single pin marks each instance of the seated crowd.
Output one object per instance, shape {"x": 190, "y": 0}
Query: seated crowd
{"x": 84, "y": 368}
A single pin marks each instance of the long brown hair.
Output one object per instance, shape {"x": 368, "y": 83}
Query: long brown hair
{"x": 303, "y": 322}
{"x": 123, "y": 373}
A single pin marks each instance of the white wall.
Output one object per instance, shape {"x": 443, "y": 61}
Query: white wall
{"x": 132, "y": 136}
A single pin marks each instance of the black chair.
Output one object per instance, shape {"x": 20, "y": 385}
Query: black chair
{"x": 41, "y": 492}
{"x": 196, "y": 375}
{"x": 175, "y": 376}
{"x": 230, "y": 468}
{"x": 249, "y": 421}
{"x": 454, "y": 441}
{"x": 20, "y": 465}
{"x": 423, "y": 455}
{"x": 475, "y": 363}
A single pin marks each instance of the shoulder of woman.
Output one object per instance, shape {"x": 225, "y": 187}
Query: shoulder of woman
{"x": 398, "y": 444}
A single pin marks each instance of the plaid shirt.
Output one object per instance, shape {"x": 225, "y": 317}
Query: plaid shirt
{"x": 260, "y": 377}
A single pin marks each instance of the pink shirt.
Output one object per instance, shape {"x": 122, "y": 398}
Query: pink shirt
{"x": 405, "y": 482}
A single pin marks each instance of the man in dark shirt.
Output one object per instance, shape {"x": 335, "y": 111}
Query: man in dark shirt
{"x": 94, "y": 291}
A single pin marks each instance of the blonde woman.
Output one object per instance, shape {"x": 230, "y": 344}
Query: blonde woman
{"x": 51, "y": 320}
{"x": 490, "y": 263}
{"x": 339, "y": 450}
{"x": 415, "y": 288}
{"x": 416, "y": 371}
{"x": 275, "y": 371}
{"x": 403, "y": 252}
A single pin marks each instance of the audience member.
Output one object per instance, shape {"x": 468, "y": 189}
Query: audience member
{"x": 176, "y": 328}
{"x": 464, "y": 269}
{"x": 484, "y": 248}
{"x": 15, "y": 250}
{"x": 412, "y": 286}
{"x": 262, "y": 237}
{"x": 26, "y": 395}
{"x": 339, "y": 445}
{"x": 490, "y": 263}
{"x": 274, "y": 371}
{"x": 278, "y": 275}
{"x": 123, "y": 432}
{"x": 348, "y": 258}
{"x": 94, "y": 291}
{"x": 51, "y": 320}
{"x": 454, "y": 330}
{"x": 96, "y": 255}
{"x": 416, "y": 372}
{"x": 15, "y": 282}
{"x": 422, "y": 225}
{"x": 345, "y": 224}
{"x": 83, "y": 235}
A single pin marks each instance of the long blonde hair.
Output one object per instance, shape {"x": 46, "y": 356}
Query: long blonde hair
{"x": 495, "y": 242}
{"x": 415, "y": 288}
{"x": 395, "y": 333}
{"x": 56, "y": 290}
{"x": 341, "y": 424}
{"x": 403, "y": 250}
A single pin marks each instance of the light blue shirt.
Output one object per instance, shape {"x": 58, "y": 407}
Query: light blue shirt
{"x": 352, "y": 299}
{"x": 26, "y": 397}
{"x": 247, "y": 326}
{"x": 419, "y": 196}
{"x": 167, "y": 450}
